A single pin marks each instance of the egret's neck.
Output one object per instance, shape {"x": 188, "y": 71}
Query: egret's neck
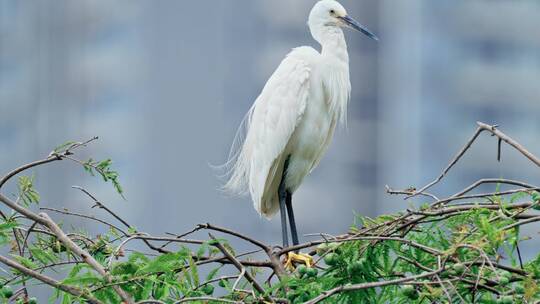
{"x": 333, "y": 44}
{"x": 334, "y": 49}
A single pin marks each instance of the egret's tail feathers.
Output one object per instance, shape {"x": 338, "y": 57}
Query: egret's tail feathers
{"x": 236, "y": 169}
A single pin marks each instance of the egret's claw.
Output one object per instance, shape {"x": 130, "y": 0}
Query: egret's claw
{"x": 302, "y": 258}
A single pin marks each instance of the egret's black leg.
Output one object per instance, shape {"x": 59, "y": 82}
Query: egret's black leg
{"x": 282, "y": 194}
{"x": 290, "y": 212}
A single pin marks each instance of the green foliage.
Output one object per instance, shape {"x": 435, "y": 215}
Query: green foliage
{"x": 470, "y": 247}
{"x": 27, "y": 193}
{"x": 461, "y": 253}
{"x": 458, "y": 245}
{"x": 103, "y": 168}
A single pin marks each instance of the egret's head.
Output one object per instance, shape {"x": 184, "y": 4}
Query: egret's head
{"x": 329, "y": 13}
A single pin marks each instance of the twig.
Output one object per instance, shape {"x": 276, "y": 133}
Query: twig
{"x": 507, "y": 139}
{"x": 364, "y": 238}
{"x": 102, "y": 206}
{"x": 85, "y": 217}
{"x": 331, "y": 292}
{"x": 41, "y": 268}
{"x": 198, "y": 299}
{"x": 88, "y": 258}
{"x": 523, "y": 222}
{"x": 409, "y": 192}
{"x": 483, "y": 195}
{"x": 48, "y": 280}
{"x": 237, "y": 264}
{"x": 481, "y": 127}
{"x": 450, "y": 165}
{"x": 274, "y": 258}
{"x": 493, "y": 181}
{"x": 236, "y": 234}
{"x": 240, "y": 276}
{"x": 53, "y": 156}
{"x": 28, "y": 166}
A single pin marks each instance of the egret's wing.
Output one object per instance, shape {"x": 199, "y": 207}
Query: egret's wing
{"x": 270, "y": 123}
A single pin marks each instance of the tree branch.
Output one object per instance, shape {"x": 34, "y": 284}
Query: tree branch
{"x": 48, "y": 280}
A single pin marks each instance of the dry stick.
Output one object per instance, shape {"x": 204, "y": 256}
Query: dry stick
{"x": 47, "y": 280}
{"x": 180, "y": 235}
{"x": 483, "y": 195}
{"x": 493, "y": 130}
{"x": 523, "y": 222}
{"x": 85, "y": 217}
{"x": 224, "y": 278}
{"x": 54, "y": 156}
{"x": 492, "y": 181}
{"x": 238, "y": 235}
{"x": 339, "y": 289}
{"x": 237, "y": 264}
{"x": 409, "y": 192}
{"x": 47, "y": 160}
{"x": 452, "y": 163}
{"x": 274, "y": 257}
{"x": 224, "y": 260}
{"x": 468, "y": 207}
{"x": 100, "y": 205}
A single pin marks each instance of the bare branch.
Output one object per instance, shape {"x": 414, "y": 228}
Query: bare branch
{"x": 507, "y": 139}
{"x": 451, "y": 164}
{"x": 237, "y": 264}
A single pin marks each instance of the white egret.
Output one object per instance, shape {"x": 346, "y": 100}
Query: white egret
{"x": 289, "y": 127}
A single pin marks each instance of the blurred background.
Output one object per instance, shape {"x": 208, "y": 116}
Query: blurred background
{"x": 165, "y": 84}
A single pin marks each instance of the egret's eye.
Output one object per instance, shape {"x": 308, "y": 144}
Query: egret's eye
{"x": 332, "y": 12}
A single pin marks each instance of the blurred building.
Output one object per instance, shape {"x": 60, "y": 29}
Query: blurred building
{"x": 446, "y": 65}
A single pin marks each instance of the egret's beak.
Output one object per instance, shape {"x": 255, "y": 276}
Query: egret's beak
{"x": 351, "y": 23}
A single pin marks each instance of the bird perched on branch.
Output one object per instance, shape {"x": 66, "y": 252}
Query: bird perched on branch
{"x": 289, "y": 127}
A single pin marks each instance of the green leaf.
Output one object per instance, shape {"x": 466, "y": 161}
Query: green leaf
{"x": 27, "y": 193}
{"x": 212, "y": 274}
{"x": 164, "y": 263}
{"x": 87, "y": 278}
{"x": 26, "y": 262}
{"x": 202, "y": 249}
{"x": 63, "y": 147}
{"x": 194, "y": 272}
{"x": 44, "y": 256}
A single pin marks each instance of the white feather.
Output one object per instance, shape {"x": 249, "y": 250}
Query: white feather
{"x": 294, "y": 117}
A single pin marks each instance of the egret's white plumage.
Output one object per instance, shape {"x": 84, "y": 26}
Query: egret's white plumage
{"x": 296, "y": 113}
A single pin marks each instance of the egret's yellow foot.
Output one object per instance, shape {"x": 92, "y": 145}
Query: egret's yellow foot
{"x": 298, "y": 258}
